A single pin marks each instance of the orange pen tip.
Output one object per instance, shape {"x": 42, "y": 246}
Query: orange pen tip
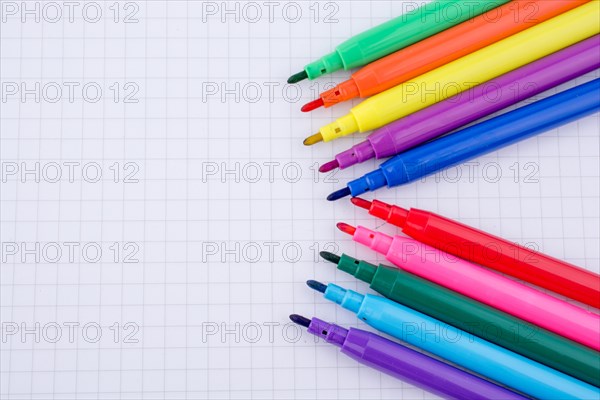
{"x": 344, "y": 227}
{"x": 313, "y": 105}
{"x": 362, "y": 203}
{"x": 316, "y": 138}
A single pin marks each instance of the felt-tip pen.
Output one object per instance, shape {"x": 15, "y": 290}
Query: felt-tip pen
{"x": 478, "y": 102}
{"x": 479, "y": 139}
{"x": 402, "y": 31}
{"x": 483, "y": 285}
{"x": 405, "y": 364}
{"x": 490, "y": 251}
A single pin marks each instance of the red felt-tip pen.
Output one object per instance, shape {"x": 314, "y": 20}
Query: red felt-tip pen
{"x": 490, "y": 251}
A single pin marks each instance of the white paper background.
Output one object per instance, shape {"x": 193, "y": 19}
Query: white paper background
{"x": 208, "y": 210}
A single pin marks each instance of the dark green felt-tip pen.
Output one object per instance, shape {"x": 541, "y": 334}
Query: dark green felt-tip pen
{"x": 476, "y": 318}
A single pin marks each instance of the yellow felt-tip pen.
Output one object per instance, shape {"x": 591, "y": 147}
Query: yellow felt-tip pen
{"x": 471, "y": 70}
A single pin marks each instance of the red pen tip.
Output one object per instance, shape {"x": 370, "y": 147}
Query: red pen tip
{"x": 313, "y": 105}
{"x": 362, "y": 203}
{"x": 349, "y": 229}
{"x": 331, "y": 165}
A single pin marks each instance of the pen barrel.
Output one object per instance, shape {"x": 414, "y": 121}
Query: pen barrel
{"x": 496, "y": 291}
{"x": 486, "y": 99}
{"x": 418, "y": 369}
{"x": 479, "y": 67}
{"x": 503, "y": 256}
{"x": 457, "y": 42}
{"x": 411, "y": 27}
{"x": 488, "y": 323}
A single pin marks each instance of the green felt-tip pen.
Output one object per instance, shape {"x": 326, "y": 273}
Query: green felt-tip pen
{"x": 411, "y": 27}
{"x": 476, "y": 318}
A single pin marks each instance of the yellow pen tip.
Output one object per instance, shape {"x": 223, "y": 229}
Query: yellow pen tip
{"x": 316, "y": 138}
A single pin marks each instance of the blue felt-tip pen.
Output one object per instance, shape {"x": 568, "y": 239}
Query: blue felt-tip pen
{"x": 479, "y": 139}
{"x": 457, "y": 346}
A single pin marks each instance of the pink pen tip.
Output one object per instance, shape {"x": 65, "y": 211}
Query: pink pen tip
{"x": 331, "y": 165}
{"x": 312, "y": 105}
{"x": 349, "y": 229}
{"x": 362, "y": 203}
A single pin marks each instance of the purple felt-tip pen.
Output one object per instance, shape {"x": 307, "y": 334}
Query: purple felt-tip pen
{"x": 476, "y": 103}
{"x": 404, "y": 363}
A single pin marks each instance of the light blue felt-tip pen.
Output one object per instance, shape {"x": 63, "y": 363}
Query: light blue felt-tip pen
{"x": 457, "y": 346}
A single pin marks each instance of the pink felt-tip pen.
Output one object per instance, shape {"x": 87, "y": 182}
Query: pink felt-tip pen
{"x": 483, "y": 285}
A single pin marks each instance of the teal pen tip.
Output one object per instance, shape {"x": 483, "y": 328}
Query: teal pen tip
{"x": 318, "y": 286}
{"x": 300, "y": 320}
{"x": 334, "y": 258}
{"x": 339, "y": 194}
{"x": 297, "y": 77}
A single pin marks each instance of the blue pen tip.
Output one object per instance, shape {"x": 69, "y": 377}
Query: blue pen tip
{"x": 318, "y": 286}
{"x": 300, "y": 320}
{"x": 339, "y": 194}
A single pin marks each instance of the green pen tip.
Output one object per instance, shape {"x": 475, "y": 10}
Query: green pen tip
{"x": 330, "y": 257}
{"x": 297, "y": 77}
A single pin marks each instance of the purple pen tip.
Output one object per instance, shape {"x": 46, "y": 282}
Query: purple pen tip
{"x": 339, "y": 194}
{"x": 331, "y": 165}
{"x": 300, "y": 320}
{"x": 318, "y": 286}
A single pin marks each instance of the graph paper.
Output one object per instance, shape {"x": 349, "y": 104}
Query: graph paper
{"x": 160, "y": 215}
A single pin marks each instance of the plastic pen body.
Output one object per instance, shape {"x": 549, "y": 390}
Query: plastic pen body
{"x": 461, "y": 348}
{"x": 471, "y": 70}
{"x": 493, "y": 252}
{"x": 446, "y": 47}
{"x": 478, "y": 319}
{"x": 476, "y": 103}
{"x": 486, "y": 286}
{"x": 408, "y": 365}
{"x": 482, "y": 138}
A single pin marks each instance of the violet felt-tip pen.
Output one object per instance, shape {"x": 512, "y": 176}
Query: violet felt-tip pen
{"x": 405, "y": 364}
{"x": 476, "y": 103}
{"x": 459, "y": 347}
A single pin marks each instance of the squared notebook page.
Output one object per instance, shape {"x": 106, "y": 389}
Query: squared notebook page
{"x": 160, "y": 215}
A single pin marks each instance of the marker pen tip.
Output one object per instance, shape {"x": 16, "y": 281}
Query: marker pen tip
{"x": 329, "y": 166}
{"x": 339, "y": 194}
{"x": 297, "y": 77}
{"x": 316, "y": 138}
{"x": 300, "y": 320}
{"x": 334, "y": 258}
{"x": 318, "y": 286}
{"x": 344, "y": 227}
{"x": 313, "y": 105}
{"x": 362, "y": 203}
